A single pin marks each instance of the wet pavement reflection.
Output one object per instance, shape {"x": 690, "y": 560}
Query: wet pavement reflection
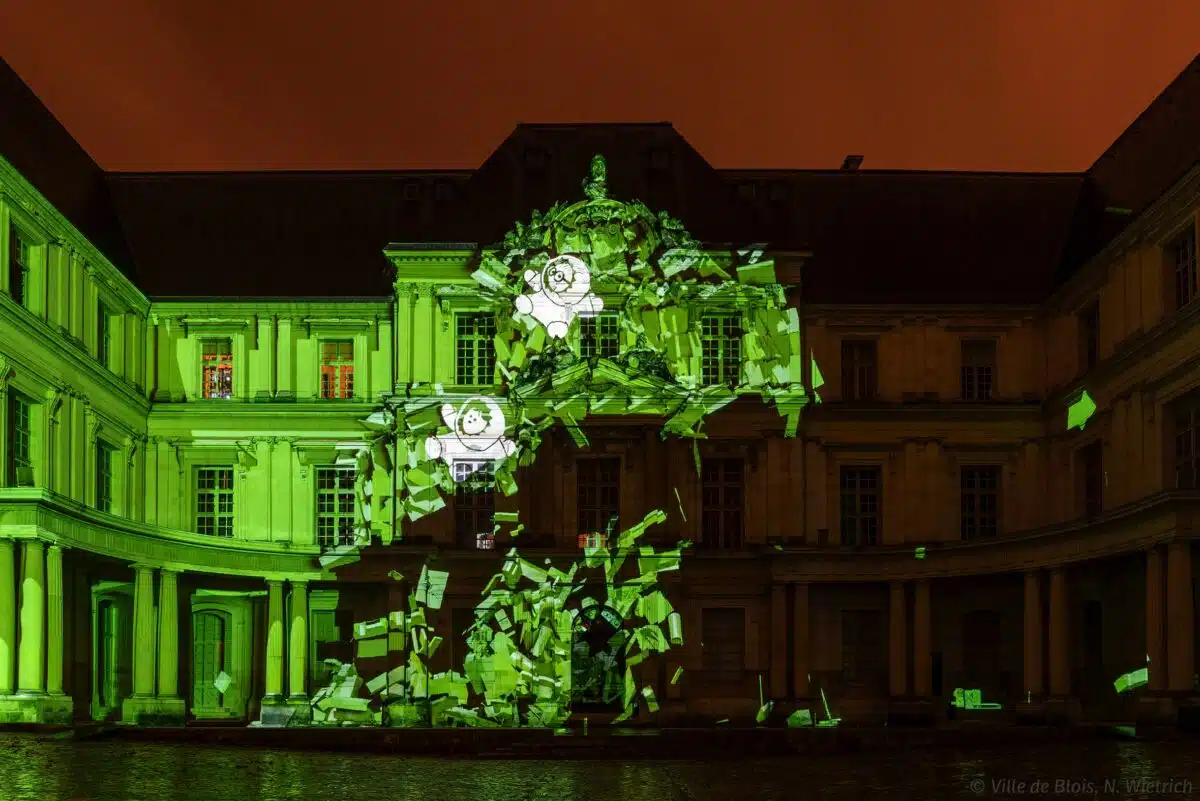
{"x": 36, "y": 768}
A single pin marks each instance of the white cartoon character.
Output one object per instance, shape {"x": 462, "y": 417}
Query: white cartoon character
{"x": 476, "y": 435}
{"x": 562, "y": 291}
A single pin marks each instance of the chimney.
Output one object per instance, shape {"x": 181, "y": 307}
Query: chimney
{"x": 852, "y": 163}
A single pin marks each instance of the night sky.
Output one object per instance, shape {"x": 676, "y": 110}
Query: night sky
{"x": 396, "y": 84}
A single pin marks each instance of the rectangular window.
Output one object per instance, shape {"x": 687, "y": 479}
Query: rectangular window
{"x": 474, "y": 504}
{"x": 1182, "y": 258}
{"x": 864, "y": 647}
{"x": 335, "y": 506}
{"x": 1187, "y": 440}
{"x": 980, "y": 488}
{"x": 598, "y": 492}
{"x": 217, "y": 376}
{"x": 1091, "y": 475}
{"x": 18, "y": 265}
{"x": 20, "y": 465}
{"x": 600, "y": 336}
{"x": 475, "y": 350}
{"x": 722, "y": 493}
{"x": 214, "y": 501}
{"x": 723, "y": 642}
{"x": 105, "y": 461}
{"x": 337, "y": 369}
{"x": 860, "y": 505}
{"x": 103, "y": 335}
{"x": 858, "y": 369}
{"x": 978, "y": 369}
{"x": 721, "y": 349}
{"x": 1089, "y": 337}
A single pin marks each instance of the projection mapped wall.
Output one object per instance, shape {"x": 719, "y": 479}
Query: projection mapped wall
{"x": 572, "y": 263}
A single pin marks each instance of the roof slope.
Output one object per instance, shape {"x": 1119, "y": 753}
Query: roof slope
{"x": 42, "y": 150}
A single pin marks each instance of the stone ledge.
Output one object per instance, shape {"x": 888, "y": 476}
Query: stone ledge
{"x": 48, "y": 709}
{"x": 158, "y": 712}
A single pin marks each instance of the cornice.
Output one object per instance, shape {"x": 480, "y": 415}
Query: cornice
{"x": 365, "y": 308}
{"x": 14, "y": 185}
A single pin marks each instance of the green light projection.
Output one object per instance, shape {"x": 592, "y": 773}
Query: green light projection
{"x": 570, "y": 263}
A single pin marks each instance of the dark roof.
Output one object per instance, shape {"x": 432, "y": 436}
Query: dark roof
{"x": 42, "y": 150}
{"x": 875, "y": 236}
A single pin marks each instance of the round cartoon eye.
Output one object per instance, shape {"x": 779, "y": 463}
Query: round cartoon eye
{"x": 562, "y": 275}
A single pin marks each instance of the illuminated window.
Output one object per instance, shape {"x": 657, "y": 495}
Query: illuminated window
{"x": 18, "y": 264}
{"x": 978, "y": 369}
{"x": 599, "y": 336}
{"x": 335, "y": 506}
{"x": 105, "y": 461}
{"x": 337, "y": 369}
{"x": 214, "y": 501}
{"x": 1089, "y": 337}
{"x": 474, "y": 504}
{"x": 980, "y": 492}
{"x": 598, "y": 492}
{"x": 1182, "y": 258}
{"x": 592, "y": 539}
{"x": 475, "y": 350}
{"x": 20, "y": 467}
{"x": 720, "y": 349}
{"x": 723, "y": 642}
{"x": 217, "y": 377}
{"x": 860, "y": 506}
{"x": 722, "y": 492}
{"x": 859, "y": 359}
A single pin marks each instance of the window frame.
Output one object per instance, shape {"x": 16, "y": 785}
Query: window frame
{"x": 106, "y": 475}
{"x": 1185, "y": 441}
{"x": 860, "y": 377}
{"x": 859, "y": 494}
{"x": 474, "y": 500}
{"x": 217, "y": 493}
{"x": 340, "y": 369}
{"x": 588, "y": 513}
{"x": 480, "y": 376}
{"x": 1091, "y": 477}
{"x": 597, "y": 342}
{"x": 982, "y": 525}
{"x": 722, "y": 512}
{"x": 337, "y": 493}
{"x": 1182, "y": 261}
{"x": 13, "y": 459}
{"x": 730, "y": 328}
{"x": 220, "y": 361}
{"x": 978, "y": 370}
{"x": 1089, "y": 336}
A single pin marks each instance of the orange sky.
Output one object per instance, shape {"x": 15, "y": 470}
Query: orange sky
{"x": 924, "y": 84}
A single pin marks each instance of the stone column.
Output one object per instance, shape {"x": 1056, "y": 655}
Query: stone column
{"x": 54, "y": 620}
{"x": 922, "y": 641}
{"x": 298, "y": 645}
{"x": 1157, "y": 669}
{"x": 143, "y": 632}
{"x": 8, "y": 618}
{"x": 779, "y": 641}
{"x": 1033, "y": 634}
{"x": 1060, "y": 677}
{"x": 800, "y": 634}
{"x": 897, "y": 640}
{"x": 168, "y": 634}
{"x": 274, "y": 678}
{"x": 1181, "y": 653}
{"x": 31, "y": 674}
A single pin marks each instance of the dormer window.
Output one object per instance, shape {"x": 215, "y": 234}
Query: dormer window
{"x": 217, "y": 369}
{"x": 412, "y": 191}
{"x": 747, "y": 191}
{"x": 443, "y": 190}
{"x": 779, "y": 192}
{"x": 18, "y": 265}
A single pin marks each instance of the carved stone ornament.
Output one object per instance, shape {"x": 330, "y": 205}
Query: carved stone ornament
{"x": 93, "y": 423}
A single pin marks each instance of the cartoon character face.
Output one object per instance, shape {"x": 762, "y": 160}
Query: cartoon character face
{"x": 476, "y": 435}
{"x": 561, "y": 292}
{"x": 472, "y": 423}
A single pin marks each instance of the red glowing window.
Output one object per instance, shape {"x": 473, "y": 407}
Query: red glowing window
{"x": 217, "y": 361}
{"x": 337, "y": 369}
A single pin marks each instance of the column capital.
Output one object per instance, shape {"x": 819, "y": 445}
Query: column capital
{"x": 35, "y": 544}
{"x": 302, "y": 583}
{"x": 171, "y": 571}
{"x": 54, "y": 546}
{"x": 275, "y": 583}
{"x": 140, "y": 567}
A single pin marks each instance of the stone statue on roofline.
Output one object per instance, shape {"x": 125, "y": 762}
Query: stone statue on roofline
{"x": 595, "y": 186}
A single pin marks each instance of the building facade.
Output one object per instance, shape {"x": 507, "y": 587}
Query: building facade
{"x": 174, "y": 434}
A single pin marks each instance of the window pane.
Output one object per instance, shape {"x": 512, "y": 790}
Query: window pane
{"x": 336, "y": 506}
{"x": 475, "y": 349}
